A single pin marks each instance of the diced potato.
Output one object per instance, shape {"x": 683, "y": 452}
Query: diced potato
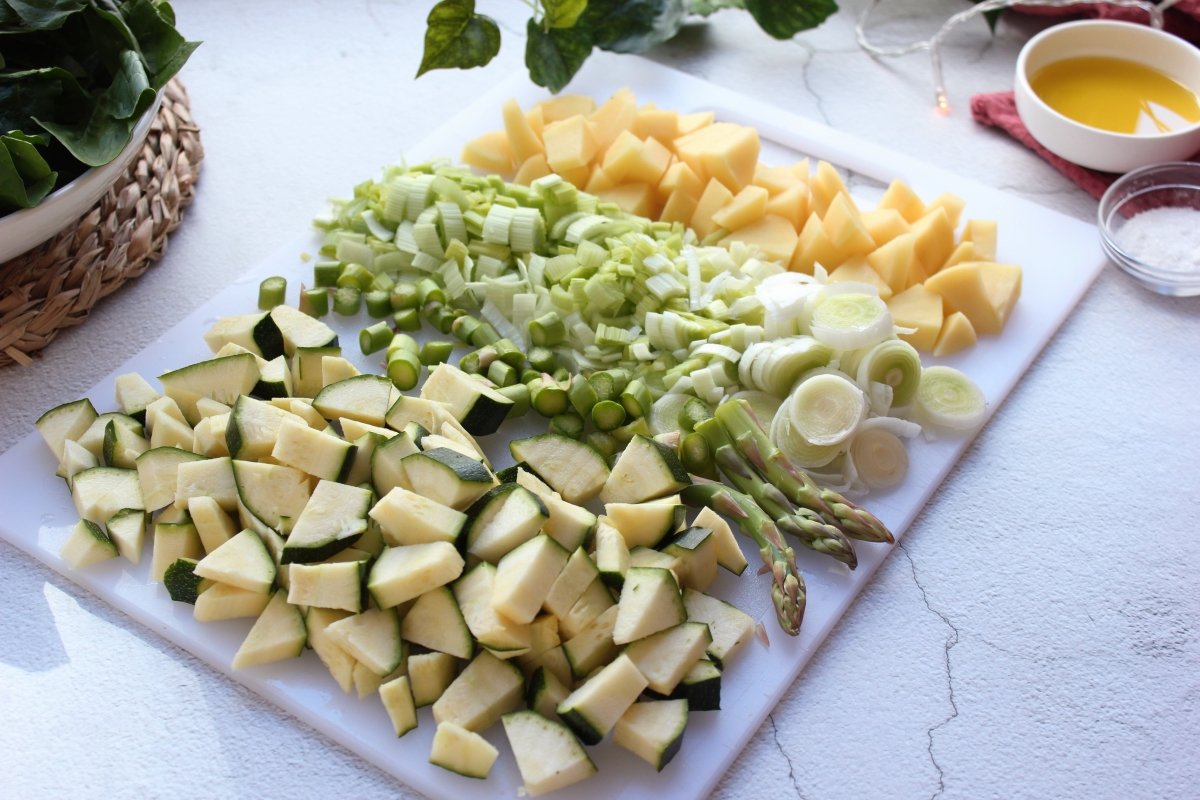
{"x": 773, "y": 235}
{"x": 577, "y": 177}
{"x": 490, "y": 153}
{"x": 791, "y": 204}
{"x": 814, "y": 247}
{"x": 598, "y": 181}
{"x": 616, "y": 114}
{"x": 902, "y": 198}
{"x": 884, "y": 224}
{"x": 858, "y": 270}
{"x": 724, "y": 151}
{"x": 961, "y": 286}
{"x": 680, "y": 176}
{"x": 656, "y": 123}
{"x": 775, "y": 180}
{"x": 917, "y": 307}
{"x": 523, "y": 142}
{"x": 651, "y": 162}
{"x": 531, "y": 169}
{"x": 621, "y": 156}
{"x": 963, "y": 252}
{"x": 680, "y": 207}
{"x": 952, "y": 203}
{"x": 957, "y": 334}
{"x": 565, "y": 106}
{"x": 1002, "y": 282}
{"x": 746, "y": 207}
{"x": 635, "y": 198}
{"x": 569, "y": 143}
{"x": 536, "y": 120}
{"x": 935, "y": 240}
{"x": 845, "y": 229}
{"x": 694, "y": 122}
{"x": 715, "y": 196}
{"x": 982, "y": 233}
{"x": 825, "y": 185}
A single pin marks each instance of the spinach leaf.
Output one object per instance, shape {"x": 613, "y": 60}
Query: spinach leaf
{"x": 554, "y": 56}
{"x": 42, "y": 15}
{"x": 458, "y": 37}
{"x": 783, "y": 19}
{"x": 632, "y": 26}
{"x": 25, "y": 177}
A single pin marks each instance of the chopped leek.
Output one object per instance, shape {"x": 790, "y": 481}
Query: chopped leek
{"x": 851, "y": 321}
{"x": 826, "y": 408}
{"x": 948, "y": 400}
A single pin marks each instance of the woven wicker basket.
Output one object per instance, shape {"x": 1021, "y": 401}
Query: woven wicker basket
{"x": 55, "y": 285}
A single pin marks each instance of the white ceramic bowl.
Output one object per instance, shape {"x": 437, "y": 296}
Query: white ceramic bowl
{"x": 1093, "y": 147}
{"x": 23, "y": 230}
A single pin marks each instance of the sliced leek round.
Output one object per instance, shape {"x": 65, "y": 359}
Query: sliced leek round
{"x": 896, "y": 363}
{"x": 879, "y": 454}
{"x": 949, "y": 400}
{"x": 826, "y": 408}
{"x": 849, "y": 321}
{"x": 801, "y": 451}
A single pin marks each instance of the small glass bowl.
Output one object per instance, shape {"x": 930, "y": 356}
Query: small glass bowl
{"x": 1175, "y": 184}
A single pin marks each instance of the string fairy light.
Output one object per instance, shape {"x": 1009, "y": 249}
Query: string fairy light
{"x": 934, "y": 43}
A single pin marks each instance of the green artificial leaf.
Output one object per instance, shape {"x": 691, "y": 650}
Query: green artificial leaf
{"x": 43, "y": 15}
{"x": 456, "y": 36}
{"x": 554, "y": 56}
{"x": 632, "y": 26}
{"x": 783, "y": 19}
{"x": 562, "y": 13}
{"x": 992, "y": 16}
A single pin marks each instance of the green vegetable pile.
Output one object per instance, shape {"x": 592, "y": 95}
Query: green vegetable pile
{"x": 561, "y": 34}
{"x": 75, "y": 78}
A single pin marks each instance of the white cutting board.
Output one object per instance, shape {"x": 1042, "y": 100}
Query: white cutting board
{"x": 1061, "y": 257}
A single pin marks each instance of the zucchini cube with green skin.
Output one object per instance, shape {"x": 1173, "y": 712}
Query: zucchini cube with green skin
{"x": 568, "y": 524}
{"x": 173, "y": 541}
{"x": 306, "y": 369}
{"x": 360, "y": 465}
{"x": 387, "y": 462}
{"x": 701, "y": 687}
{"x": 133, "y": 394}
{"x": 408, "y": 518}
{"x": 576, "y": 576}
{"x": 127, "y": 529}
{"x": 100, "y": 492}
{"x": 653, "y": 730}
{"x": 462, "y": 751}
{"x": 93, "y": 437}
{"x": 547, "y": 753}
{"x": 480, "y": 408}
{"x": 435, "y": 621}
{"x": 86, "y": 545}
{"x": 544, "y": 692}
{"x": 323, "y": 456}
{"x": 665, "y": 657}
{"x": 729, "y": 552}
{"x": 543, "y": 635}
{"x": 274, "y": 379}
{"x": 123, "y": 443}
{"x": 593, "y": 709}
{"x": 222, "y": 601}
{"x": 272, "y": 494}
{"x": 158, "y": 473}
{"x": 397, "y": 700}
{"x": 365, "y": 398}
{"x": 278, "y": 633}
{"x": 575, "y": 470}
{"x": 404, "y": 573}
{"x": 645, "y": 470}
{"x": 76, "y": 458}
{"x": 646, "y": 524}
{"x": 182, "y": 583}
{"x": 211, "y": 477}
{"x": 336, "y": 368}
{"x": 257, "y": 333}
{"x": 334, "y": 518}
{"x": 593, "y": 646}
{"x": 505, "y": 517}
{"x": 66, "y": 422}
{"x": 299, "y": 330}
{"x": 696, "y": 551}
{"x": 595, "y": 600}
{"x": 209, "y": 436}
{"x": 484, "y": 691}
{"x": 730, "y": 627}
{"x": 612, "y": 554}
{"x": 649, "y": 602}
{"x": 499, "y": 634}
{"x": 524, "y": 577}
{"x": 213, "y": 525}
{"x": 243, "y": 561}
{"x": 372, "y": 637}
{"x": 335, "y": 658}
{"x": 222, "y": 379}
{"x": 337, "y": 585}
{"x": 447, "y": 477}
{"x": 430, "y": 674}
{"x": 171, "y": 432}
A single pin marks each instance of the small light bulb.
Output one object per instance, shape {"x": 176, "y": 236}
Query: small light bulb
{"x": 943, "y": 102}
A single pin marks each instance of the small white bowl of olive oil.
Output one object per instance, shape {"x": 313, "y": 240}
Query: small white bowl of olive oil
{"x": 1111, "y": 96}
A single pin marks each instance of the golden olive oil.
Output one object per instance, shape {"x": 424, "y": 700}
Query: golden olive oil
{"x": 1116, "y": 95}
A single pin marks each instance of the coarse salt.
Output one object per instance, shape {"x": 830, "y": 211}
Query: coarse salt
{"x": 1167, "y": 239}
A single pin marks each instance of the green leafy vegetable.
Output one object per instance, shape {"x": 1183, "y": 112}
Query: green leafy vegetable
{"x": 75, "y": 78}
{"x": 561, "y": 34}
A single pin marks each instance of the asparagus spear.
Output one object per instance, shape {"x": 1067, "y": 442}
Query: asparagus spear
{"x": 787, "y": 587}
{"x": 776, "y": 468}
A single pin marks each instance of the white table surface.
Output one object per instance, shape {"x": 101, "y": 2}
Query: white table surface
{"x": 1037, "y": 634}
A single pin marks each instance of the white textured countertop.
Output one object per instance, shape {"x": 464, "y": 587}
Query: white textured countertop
{"x": 1036, "y": 635}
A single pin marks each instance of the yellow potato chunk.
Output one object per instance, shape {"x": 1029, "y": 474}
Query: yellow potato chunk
{"x": 981, "y": 232}
{"x": 774, "y": 236}
{"x": 634, "y": 198}
{"x": 845, "y": 229}
{"x": 961, "y": 286}
{"x": 490, "y": 153}
{"x": 825, "y": 185}
{"x": 724, "y": 151}
{"x": 1002, "y": 282}
{"x": 963, "y": 251}
{"x": 884, "y": 224}
{"x": 566, "y": 105}
{"x": 813, "y": 247}
{"x": 857, "y": 270}
{"x": 570, "y": 144}
{"x": 957, "y": 334}
{"x": 651, "y": 163}
{"x": 523, "y": 142}
{"x": 531, "y": 169}
{"x": 776, "y": 180}
{"x": 615, "y": 115}
{"x": 621, "y": 156}
{"x": 577, "y": 177}
{"x": 746, "y": 207}
{"x": 935, "y": 240}
{"x": 679, "y": 207}
{"x": 694, "y": 122}
{"x": 714, "y": 197}
{"x": 536, "y": 120}
{"x": 902, "y": 198}
{"x": 680, "y": 176}
{"x": 917, "y": 307}
{"x": 598, "y": 181}
{"x": 656, "y": 123}
{"x": 952, "y": 203}
{"x": 791, "y": 204}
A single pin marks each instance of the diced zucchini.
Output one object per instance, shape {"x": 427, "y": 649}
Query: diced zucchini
{"x": 484, "y": 691}
{"x": 595, "y": 600}
{"x": 76, "y": 458}
{"x": 335, "y": 658}
{"x": 646, "y": 524}
{"x": 408, "y": 518}
{"x": 573, "y": 469}
{"x": 93, "y": 437}
{"x": 274, "y": 379}
{"x": 273, "y": 494}
{"x": 543, "y": 635}
{"x": 501, "y": 635}
{"x": 127, "y": 529}
{"x": 544, "y": 692}
{"x": 645, "y": 470}
{"x": 649, "y": 602}
{"x": 210, "y": 435}
{"x": 157, "y": 471}
{"x": 462, "y": 751}
{"x": 258, "y": 333}
{"x": 306, "y": 369}
{"x": 397, "y": 699}
{"x": 170, "y": 432}
{"x": 372, "y": 637}
{"x": 665, "y": 657}
{"x": 696, "y": 550}
{"x": 207, "y": 407}
{"x": 319, "y": 454}
{"x": 133, "y": 394}
{"x": 548, "y": 754}
{"x": 100, "y": 492}
{"x": 222, "y": 601}
{"x": 730, "y": 627}
{"x": 66, "y": 422}
{"x": 337, "y": 585}
{"x": 569, "y": 525}
{"x": 278, "y": 633}
{"x": 337, "y": 368}
{"x": 594, "y": 708}
{"x": 593, "y": 646}
{"x": 223, "y": 379}
{"x": 435, "y": 621}
{"x": 612, "y": 554}
{"x": 124, "y": 443}
{"x": 172, "y": 541}
{"x": 182, "y": 583}
{"x": 653, "y": 730}
{"x": 333, "y": 519}
{"x": 387, "y": 462}
{"x": 701, "y": 687}
{"x": 365, "y": 398}
{"x": 243, "y": 561}
{"x": 477, "y": 406}
{"x": 406, "y": 572}
{"x": 434, "y": 440}
{"x": 575, "y": 577}
{"x": 447, "y": 477}
{"x": 429, "y": 675}
{"x": 86, "y": 545}
{"x": 352, "y": 428}
{"x": 729, "y": 552}
{"x": 524, "y": 577}
{"x": 300, "y": 330}
{"x": 360, "y": 465}
{"x": 504, "y": 517}
{"x": 213, "y": 525}
{"x": 212, "y": 477}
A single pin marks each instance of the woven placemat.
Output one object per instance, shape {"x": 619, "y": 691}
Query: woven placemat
{"x": 55, "y": 285}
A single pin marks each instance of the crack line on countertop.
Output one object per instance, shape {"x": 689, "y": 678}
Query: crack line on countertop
{"x": 786, "y": 757}
{"x": 951, "y": 641}
{"x": 804, "y": 79}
